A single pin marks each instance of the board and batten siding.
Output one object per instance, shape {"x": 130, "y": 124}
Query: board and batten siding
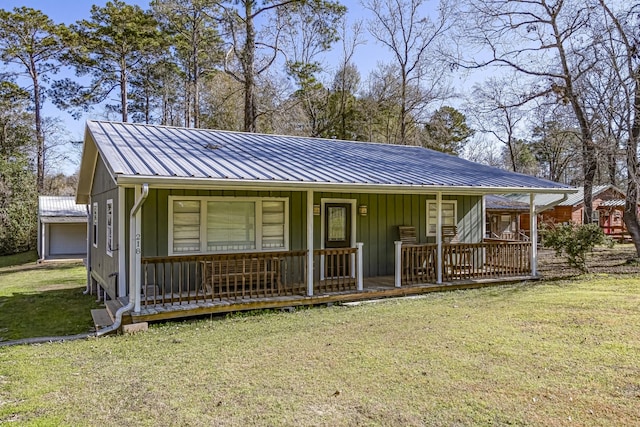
{"x": 378, "y": 230}
{"x": 104, "y": 268}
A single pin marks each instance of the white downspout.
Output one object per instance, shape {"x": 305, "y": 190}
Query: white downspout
{"x": 134, "y": 257}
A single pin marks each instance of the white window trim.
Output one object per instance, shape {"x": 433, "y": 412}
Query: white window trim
{"x": 203, "y": 222}
{"x": 109, "y": 227}
{"x": 94, "y": 223}
{"x": 435, "y": 203}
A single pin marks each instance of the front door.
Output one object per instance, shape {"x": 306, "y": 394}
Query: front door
{"x": 337, "y": 235}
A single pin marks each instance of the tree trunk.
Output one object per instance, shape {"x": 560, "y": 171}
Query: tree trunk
{"x": 631, "y": 203}
{"x": 196, "y": 89}
{"x": 39, "y": 131}
{"x": 589, "y": 167}
{"x": 403, "y": 108}
{"x": 123, "y": 90}
{"x": 248, "y": 64}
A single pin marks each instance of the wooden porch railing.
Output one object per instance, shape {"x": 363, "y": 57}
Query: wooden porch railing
{"x": 335, "y": 269}
{"x": 418, "y": 264}
{"x": 463, "y": 261}
{"x": 179, "y": 280}
{"x": 487, "y": 259}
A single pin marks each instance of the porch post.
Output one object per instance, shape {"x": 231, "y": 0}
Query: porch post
{"x": 137, "y": 256}
{"x": 439, "y": 237}
{"x": 398, "y": 279}
{"x": 309, "y": 277}
{"x": 533, "y": 234}
{"x": 359, "y": 246}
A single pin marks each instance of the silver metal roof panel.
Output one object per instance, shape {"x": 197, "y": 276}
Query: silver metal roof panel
{"x": 60, "y": 206}
{"x": 573, "y": 199}
{"x": 158, "y": 151}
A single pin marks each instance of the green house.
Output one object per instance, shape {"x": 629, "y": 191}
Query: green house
{"x": 192, "y": 221}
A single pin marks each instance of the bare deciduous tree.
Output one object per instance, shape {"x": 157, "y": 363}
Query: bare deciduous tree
{"x": 622, "y": 44}
{"x": 413, "y": 38}
{"x": 497, "y": 112}
{"x": 551, "y": 43}
{"x": 252, "y": 52}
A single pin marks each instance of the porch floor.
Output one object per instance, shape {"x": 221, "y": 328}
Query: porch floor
{"x": 373, "y": 288}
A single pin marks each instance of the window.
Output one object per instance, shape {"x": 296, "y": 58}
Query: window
{"x": 595, "y": 216}
{"x": 227, "y": 224}
{"x": 231, "y": 226}
{"x": 186, "y": 226}
{"x": 448, "y": 215}
{"x": 109, "y": 239}
{"x": 94, "y": 224}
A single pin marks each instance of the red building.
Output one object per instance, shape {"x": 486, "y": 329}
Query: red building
{"x": 608, "y": 208}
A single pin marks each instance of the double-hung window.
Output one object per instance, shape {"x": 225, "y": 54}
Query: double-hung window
{"x": 449, "y": 214}
{"x": 227, "y": 224}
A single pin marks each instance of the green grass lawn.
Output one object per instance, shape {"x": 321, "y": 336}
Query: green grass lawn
{"x": 39, "y": 300}
{"x": 564, "y": 352}
{"x": 18, "y": 259}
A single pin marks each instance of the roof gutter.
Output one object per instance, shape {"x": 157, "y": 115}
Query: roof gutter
{"x": 263, "y": 184}
{"x": 134, "y": 279}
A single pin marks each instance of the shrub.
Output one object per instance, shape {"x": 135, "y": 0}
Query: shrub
{"x": 575, "y": 242}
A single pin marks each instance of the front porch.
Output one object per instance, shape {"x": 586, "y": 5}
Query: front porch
{"x": 181, "y": 286}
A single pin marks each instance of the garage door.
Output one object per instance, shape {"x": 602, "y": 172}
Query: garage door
{"x": 68, "y": 239}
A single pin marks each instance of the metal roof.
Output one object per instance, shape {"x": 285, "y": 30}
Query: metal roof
{"x": 135, "y": 153}
{"x": 60, "y": 206}
{"x": 573, "y": 199}
{"x": 613, "y": 203}
{"x": 497, "y": 202}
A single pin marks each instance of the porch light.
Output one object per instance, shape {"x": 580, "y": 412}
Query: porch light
{"x": 316, "y": 210}
{"x": 362, "y": 210}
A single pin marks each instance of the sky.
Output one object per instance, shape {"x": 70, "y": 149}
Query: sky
{"x": 366, "y": 58}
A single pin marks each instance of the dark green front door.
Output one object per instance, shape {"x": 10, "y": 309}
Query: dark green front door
{"x": 337, "y": 235}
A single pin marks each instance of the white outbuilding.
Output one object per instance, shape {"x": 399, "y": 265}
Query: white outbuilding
{"x": 62, "y": 228}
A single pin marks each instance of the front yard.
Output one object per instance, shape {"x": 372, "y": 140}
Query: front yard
{"x": 39, "y": 300}
{"x": 557, "y": 352}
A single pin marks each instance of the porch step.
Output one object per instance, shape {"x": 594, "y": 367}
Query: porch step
{"x": 114, "y": 305}
{"x": 101, "y": 318}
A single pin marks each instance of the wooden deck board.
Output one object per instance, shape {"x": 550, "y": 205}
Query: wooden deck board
{"x": 101, "y": 318}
